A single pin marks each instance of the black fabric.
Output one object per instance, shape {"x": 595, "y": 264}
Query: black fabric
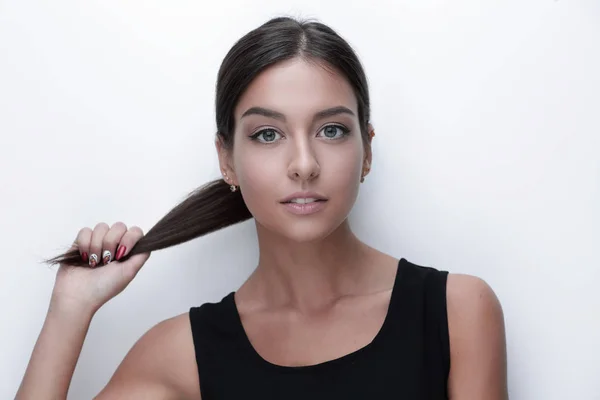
{"x": 408, "y": 359}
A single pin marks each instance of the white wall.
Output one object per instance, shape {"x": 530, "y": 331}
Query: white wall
{"x": 486, "y": 161}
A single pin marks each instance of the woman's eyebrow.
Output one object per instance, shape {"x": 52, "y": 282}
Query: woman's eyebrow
{"x": 265, "y": 112}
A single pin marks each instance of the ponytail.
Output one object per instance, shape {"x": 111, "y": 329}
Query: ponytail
{"x": 207, "y": 209}
{"x": 214, "y": 206}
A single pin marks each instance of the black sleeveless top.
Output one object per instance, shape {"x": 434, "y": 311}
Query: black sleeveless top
{"x": 408, "y": 359}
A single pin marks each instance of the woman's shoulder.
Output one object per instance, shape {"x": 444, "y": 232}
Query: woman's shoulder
{"x": 476, "y": 332}
{"x": 465, "y": 288}
{"x": 472, "y": 306}
{"x": 463, "y": 291}
{"x": 471, "y": 296}
{"x": 161, "y": 364}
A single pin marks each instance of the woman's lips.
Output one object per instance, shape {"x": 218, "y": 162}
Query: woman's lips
{"x": 305, "y": 209}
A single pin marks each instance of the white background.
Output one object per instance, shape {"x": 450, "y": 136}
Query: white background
{"x": 486, "y": 161}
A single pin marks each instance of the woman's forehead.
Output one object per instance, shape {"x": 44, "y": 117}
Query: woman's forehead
{"x": 297, "y": 87}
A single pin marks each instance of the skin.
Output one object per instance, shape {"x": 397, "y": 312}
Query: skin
{"x": 314, "y": 277}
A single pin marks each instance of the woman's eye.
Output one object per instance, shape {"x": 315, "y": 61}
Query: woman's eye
{"x": 331, "y": 132}
{"x": 334, "y": 131}
{"x": 268, "y": 135}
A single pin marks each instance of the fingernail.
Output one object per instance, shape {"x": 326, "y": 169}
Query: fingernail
{"x": 120, "y": 252}
{"x": 106, "y": 257}
{"x": 84, "y": 257}
{"x": 93, "y": 260}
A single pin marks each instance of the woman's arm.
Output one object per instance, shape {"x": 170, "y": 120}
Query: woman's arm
{"x": 477, "y": 340}
{"x": 161, "y": 365}
{"x": 56, "y": 351}
{"x": 79, "y": 291}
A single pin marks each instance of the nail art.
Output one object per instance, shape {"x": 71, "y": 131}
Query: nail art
{"x": 106, "y": 257}
{"x": 84, "y": 256}
{"x": 120, "y": 252}
{"x": 93, "y": 260}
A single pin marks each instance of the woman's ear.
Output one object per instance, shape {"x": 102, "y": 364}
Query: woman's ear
{"x": 371, "y": 132}
{"x": 368, "y": 158}
{"x": 225, "y": 162}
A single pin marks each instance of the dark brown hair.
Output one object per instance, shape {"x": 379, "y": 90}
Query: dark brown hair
{"x": 213, "y": 206}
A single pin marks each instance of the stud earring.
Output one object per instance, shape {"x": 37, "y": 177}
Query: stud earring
{"x": 232, "y": 187}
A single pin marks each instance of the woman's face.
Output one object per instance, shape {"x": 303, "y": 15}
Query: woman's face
{"x": 297, "y": 130}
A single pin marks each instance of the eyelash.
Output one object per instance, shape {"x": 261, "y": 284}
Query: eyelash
{"x": 345, "y": 132}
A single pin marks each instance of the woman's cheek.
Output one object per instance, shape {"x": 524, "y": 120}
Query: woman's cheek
{"x": 257, "y": 179}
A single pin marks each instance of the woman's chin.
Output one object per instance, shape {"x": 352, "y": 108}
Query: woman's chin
{"x": 308, "y": 231}
{"x": 302, "y": 228}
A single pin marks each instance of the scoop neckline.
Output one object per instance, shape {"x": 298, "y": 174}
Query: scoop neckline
{"x": 346, "y": 358}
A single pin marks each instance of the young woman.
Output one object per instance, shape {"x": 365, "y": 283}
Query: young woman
{"x": 323, "y": 316}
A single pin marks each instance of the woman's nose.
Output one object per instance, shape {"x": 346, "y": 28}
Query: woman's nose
{"x": 304, "y": 164}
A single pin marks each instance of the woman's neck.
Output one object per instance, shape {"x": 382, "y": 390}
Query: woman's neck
{"x": 310, "y": 275}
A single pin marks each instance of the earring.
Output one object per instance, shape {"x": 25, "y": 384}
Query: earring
{"x": 225, "y": 177}
{"x": 232, "y": 187}
{"x": 364, "y": 173}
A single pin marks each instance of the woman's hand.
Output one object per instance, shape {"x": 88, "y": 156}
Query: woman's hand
{"x": 88, "y": 288}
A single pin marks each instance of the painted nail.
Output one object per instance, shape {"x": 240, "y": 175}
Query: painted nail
{"x": 93, "y": 260}
{"x": 106, "y": 257}
{"x": 84, "y": 257}
{"x": 120, "y": 252}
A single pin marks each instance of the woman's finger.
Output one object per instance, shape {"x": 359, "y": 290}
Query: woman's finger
{"x": 82, "y": 243}
{"x": 129, "y": 239}
{"x": 96, "y": 243}
{"x": 111, "y": 240}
